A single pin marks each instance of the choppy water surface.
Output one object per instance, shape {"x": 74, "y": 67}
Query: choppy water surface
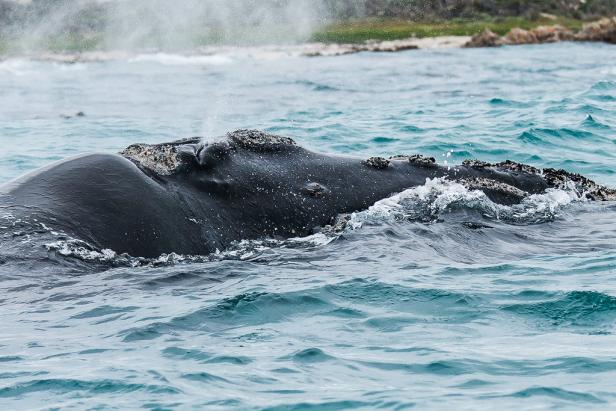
{"x": 433, "y": 299}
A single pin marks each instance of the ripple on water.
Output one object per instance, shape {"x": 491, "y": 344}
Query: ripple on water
{"x": 309, "y": 356}
{"x": 591, "y": 122}
{"x": 58, "y": 386}
{"x": 178, "y": 353}
{"x": 584, "y": 309}
{"x": 250, "y": 308}
{"x": 557, "y": 393}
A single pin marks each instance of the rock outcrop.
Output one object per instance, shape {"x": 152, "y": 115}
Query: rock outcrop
{"x": 486, "y": 38}
{"x": 520, "y": 36}
{"x": 603, "y": 30}
{"x": 552, "y": 34}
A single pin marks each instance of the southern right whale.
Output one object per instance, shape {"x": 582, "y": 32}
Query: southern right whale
{"x": 193, "y": 197}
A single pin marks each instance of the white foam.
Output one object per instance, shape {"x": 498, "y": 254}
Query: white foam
{"x": 18, "y": 67}
{"x": 436, "y": 196}
{"x": 318, "y": 239}
{"x": 421, "y": 202}
{"x": 182, "y": 60}
{"x": 81, "y": 250}
{"x": 548, "y": 203}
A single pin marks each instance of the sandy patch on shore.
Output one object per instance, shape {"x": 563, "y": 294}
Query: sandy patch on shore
{"x": 441, "y": 42}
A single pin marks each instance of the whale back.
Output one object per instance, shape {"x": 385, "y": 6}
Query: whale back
{"x": 105, "y": 200}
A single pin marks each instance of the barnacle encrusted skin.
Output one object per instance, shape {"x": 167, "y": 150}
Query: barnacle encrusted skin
{"x": 416, "y": 159}
{"x": 479, "y": 183}
{"x": 379, "y": 163}
{"x": 258, "y": 140}
{"x": 477, "y": 163}
{"x": 585, "y": 186}
{"x": 507, "y": 165}
{"x": 554, "y": 178}
{"x": 166, "y": 158}
{"x": 162, "y": 159}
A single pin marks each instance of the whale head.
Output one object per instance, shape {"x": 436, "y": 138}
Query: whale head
{"x": 190, "y": 154}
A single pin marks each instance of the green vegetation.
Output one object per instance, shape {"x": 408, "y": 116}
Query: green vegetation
{"x": 386, "y": 29}
{"x": 72, "y": 43}
{"x": 4, "y": 45}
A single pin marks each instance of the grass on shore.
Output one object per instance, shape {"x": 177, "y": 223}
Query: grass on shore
{"x": 360, "y": 31}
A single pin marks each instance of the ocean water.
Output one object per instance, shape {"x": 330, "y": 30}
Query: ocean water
{"x": 435, "y": 298}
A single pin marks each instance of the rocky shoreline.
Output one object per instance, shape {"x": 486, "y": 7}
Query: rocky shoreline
{"x": 390, "y": 46}
{"x": 603, "y": 30}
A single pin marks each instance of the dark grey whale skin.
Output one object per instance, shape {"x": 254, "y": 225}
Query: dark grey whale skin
{"x": 244, "y": 187}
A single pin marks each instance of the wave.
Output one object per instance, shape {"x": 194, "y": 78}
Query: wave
{"x": 72, "y": 385}
{"x": 329, "y": 301}
{"x": 251, "y": 308}
{"x": 557, "y": 393}
{"x": 592, "y": 122}
{"x": 603, "y": 85}
{"x": 182, "y": 60}
{"x": 438, "y": 196}
{"x": 573, "y": 309}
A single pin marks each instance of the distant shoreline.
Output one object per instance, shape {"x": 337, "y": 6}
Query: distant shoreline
{"x": 355, "y": 37}
{"x": 359, "y": 31}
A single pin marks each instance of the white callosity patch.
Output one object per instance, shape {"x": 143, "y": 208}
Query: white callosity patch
{"x": 161, "y": 158}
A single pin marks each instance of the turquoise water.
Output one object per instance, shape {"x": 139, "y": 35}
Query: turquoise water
{"x": 434, "y": 299}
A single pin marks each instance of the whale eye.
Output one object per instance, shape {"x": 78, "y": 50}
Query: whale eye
{"x": 208, "y": 155}
{"x": 221, "y": 187}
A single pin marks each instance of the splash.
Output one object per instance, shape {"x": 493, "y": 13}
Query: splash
{"x": 78, "y": 25}
{"x": 427, "y": 203}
